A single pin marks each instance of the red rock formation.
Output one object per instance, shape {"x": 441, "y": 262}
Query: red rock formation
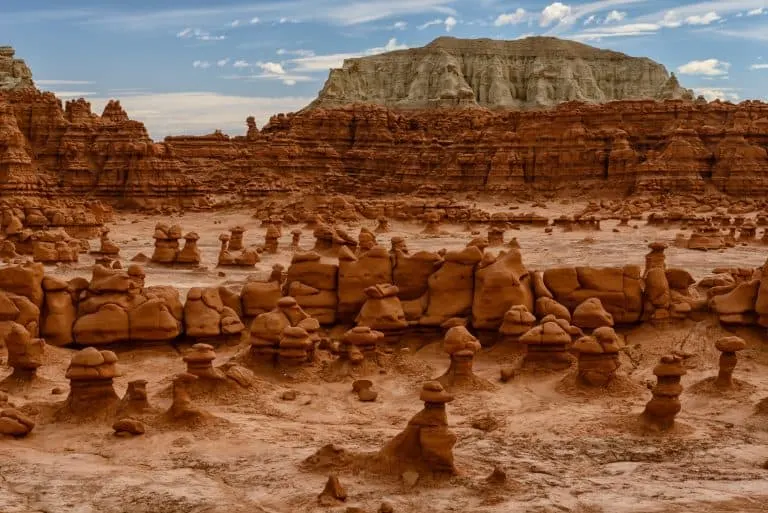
{"x": 76, "y": 152}
{"x": 642, "y": 146}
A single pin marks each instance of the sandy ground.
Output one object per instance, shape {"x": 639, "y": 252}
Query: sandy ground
{"x": 563, "y": 449}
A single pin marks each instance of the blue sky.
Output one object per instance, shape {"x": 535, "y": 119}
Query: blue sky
{"x": 191, "y": 66}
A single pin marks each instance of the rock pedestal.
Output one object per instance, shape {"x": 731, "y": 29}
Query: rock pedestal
{"x": 432, "y": 220}
{"x": 517, "y": 321}
{"x": 461, "y": 346}
{"x": 271, "y": 239}
{"x": 190, "y": 253}
{"x": 25, "y": 354}
{"x": 295, "y": 239}
{"x": 547, "y": 347}
{"x": 14, "y": 423}
{"x": 382, "y": 311}
{"x": 135, "y": 399}
{"x": 182, "y": 408}
{"x": 591, "y": 315}
{"x": 107, "y": 247}
{"x": 166, "y": 243}
{"x": 382, "y": 225}
{"x": 359, "y": 343}
{"x": 267, "y": 328}
{"x": 598, "y": 357}
{"x": 728, "y": 346}
{"x": 236, "y": 238}
{"x": 426, "y": 444}
{"x": 296, "y": 347}
{"x": 398, "y": 244}
{"x": 366, "y": 240}
{"x": 495, "y": 237}
{"x": 657, "y": 292}
{"x": 199, "y": 359}
{"x": 90, "y": 375}
{"x": 660, "y": 411}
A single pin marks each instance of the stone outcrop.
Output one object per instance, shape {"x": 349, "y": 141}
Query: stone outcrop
{"x": 618, "y": 289}
{"x": 598, "y": 357}
{"x": 90, "y": 375}
{"x": 116, "y": 307}
{"x": 426, "y": 444}
{"x": 660, "y": 412}
{"x": 14, "y": 73}
{"x": 728, "y": 347}
{"x": 535, "y": 72}
{"x": 77, "y": 153}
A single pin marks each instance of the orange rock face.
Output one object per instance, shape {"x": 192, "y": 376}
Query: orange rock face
{"x": 81, "y": 153}
{"x": 633, "y": 146}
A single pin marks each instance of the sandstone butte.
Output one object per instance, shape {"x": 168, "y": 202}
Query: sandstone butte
{"x": 630, "y": 146}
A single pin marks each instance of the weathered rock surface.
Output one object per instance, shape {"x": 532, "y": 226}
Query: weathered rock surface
{"x": 534, "y": 72}
{"x": 14, "y": 73}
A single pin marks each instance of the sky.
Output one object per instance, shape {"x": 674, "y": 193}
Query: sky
{"x": 193, "y": 66}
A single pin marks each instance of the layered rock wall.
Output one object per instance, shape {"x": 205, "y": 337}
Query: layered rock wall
{"x": 535, "y": 72}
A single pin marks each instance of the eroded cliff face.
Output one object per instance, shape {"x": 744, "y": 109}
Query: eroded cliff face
{"x": 536, "y": 72}
{"x": 47, "y": 149}
{"x": 14, "y": 73}
{"x": 631, "y": 146}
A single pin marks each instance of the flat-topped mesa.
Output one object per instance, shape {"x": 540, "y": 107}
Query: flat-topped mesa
{"x": 14, "y": 73}
{"x": 535, "y": 72}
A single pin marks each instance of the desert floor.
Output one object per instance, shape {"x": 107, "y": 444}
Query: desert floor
{"x": 563, "y": 449}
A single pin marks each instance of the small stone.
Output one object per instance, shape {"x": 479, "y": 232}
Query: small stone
{"x": 333, "y": 490}
{"x": 410, "y": 478}
{"x": 367, "y": 395}
{"x": 498, "y": 476}
{"x": 354, "y": 509}
{"x": 288, "y": 395}
{"x": 386, "y": 507}
{"x": 507, "y": 373}
{"x": 130, "y": 426}
{"x": 361, "y": 384}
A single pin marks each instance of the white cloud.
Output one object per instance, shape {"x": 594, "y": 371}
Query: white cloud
{"x": 201, "y": 35}
{"x": 316, "y": 63}
{"x": 287, "y": 79}
{"x": 201, "y": 64}
{"x": 449, "y": 23}
{"x": 73, "y": 94}
{"x": 299, "y": 52}
{"x": 272, "y": 67}
{"x": 758, "y": 66}
{"x": 391, "y": 46}
{"x": 430, "y": 23}
{"x": 241, "y": 64}
{"x": 590, "y": 20}
{"x": 511, "y": 19}
{"x": 703, "y": 20}
{"x": 201, "y": 112}
{"x": 721, "y": 93}
{"x": 338, "y": 12}
{"x": 671, "y": 20}
{"x": 63, "y": 82}
{"x": 615, "y": 15}
{"x": 632, "y": 29}
{"x": 708, "y": 67}
{"x": 235, "y": 23}
{"x": 222, "y": 62}
{"x": 400, "y": 25}
{"x": 556, "y": 12}
{"x": 254, "y": 20}
{"x": 756, "y": 12}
